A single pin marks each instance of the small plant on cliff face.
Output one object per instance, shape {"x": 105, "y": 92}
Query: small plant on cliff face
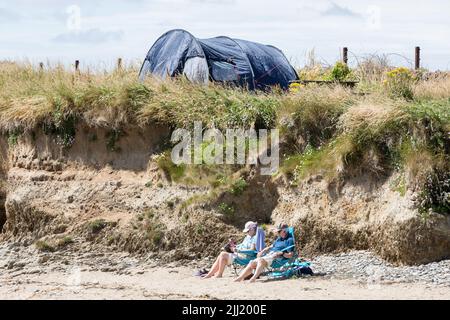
{"x": 227, "y": 210}
{"x": 434, "y": 119}
{"x": 170, "y": 204}
{"x": 112, "y": 137}
{"x": 149, "y": 184}
{"x": 171, "y": 171}
{"x": 238, "y": 187}
{"x": 220, "y": 180}
{"x": 44, "y": 246}
{"x": 13, "y": 138}
{"x": 96, "y": 226}
{"x": 199, "y": 229}
{"x": 435, "y": 194}
{"x": 62, "y": 127}
{"x": 399, "y": 185}
{"x": 64, "y": 242}
{"x": 149, "y": 224}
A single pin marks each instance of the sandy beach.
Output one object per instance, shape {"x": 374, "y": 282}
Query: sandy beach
{"x": 103, "y": 275}
{"x": 178, "y": 283}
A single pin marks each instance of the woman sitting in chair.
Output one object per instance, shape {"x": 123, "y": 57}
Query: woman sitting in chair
{"x": 283, "y": 247}
{"x": 227, "y": 258}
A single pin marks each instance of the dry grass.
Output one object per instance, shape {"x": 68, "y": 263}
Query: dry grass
{"x": 310, "y": 116}
{"x": 371, "y": 118}
{"x": 29, "y": 96}
{"x": 215, "y": 106}
{"x": 373, "y": 68}
{"x": 433, "y": 89}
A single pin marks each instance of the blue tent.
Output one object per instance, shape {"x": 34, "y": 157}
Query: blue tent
{"x": 221, "y": 59}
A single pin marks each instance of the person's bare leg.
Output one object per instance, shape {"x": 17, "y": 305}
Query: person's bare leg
{"x": 214, "y": 268}
{"x": 262, "y": 264}
{"x": 223, "y": 261}
{"x": 246, "y": 272}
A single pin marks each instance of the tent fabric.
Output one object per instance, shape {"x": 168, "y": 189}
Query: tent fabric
{"x": 221, "y": 59}
{"x": 227, "y": 61}
{"x": 196, "y": 70}
{"x": 168, "y": 55}
{"x": 269, "y": 64}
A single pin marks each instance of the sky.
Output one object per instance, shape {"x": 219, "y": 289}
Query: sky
{"x": 98, "y": 32}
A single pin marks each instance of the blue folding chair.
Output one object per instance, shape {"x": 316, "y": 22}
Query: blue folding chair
{"x": 245, "y": 256}
{"x": 283, "y": 268}
{"x": 280, "y": 262}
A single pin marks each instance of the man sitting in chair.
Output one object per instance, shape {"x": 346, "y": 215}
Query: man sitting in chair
{"x": 283, "y": 247}
{"x": 227, "y": 258}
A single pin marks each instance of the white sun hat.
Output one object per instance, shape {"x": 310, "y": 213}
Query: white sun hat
{"x": 250, "y": 225}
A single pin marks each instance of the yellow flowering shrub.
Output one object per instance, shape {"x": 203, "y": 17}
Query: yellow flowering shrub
{"x": 295, "y": 87}
{"x": 399, "y": 82}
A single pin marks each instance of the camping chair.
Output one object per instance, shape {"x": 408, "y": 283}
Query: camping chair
{"x": 283, "y": 268}
{"x": 245, "y": 256}
{"x": 280, "y": 262}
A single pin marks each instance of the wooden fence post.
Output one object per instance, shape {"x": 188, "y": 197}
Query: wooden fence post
{"x": 417, "y": 59}
{"x": 345, "y": 55}
{"x": 77, "y": 66}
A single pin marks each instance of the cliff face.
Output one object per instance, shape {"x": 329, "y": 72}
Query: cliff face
{"x": 107, "y": 190}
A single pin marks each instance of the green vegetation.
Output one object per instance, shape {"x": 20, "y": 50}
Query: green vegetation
{"x": 238, "y": 187}
{"x": 399, "y": 185}
{"x": 112, "y": 137}
{"x": 96, "y": 226}
{"x": 44, "y": 246}
{"x": 340, "y": 72}
{"x": 149, "y": 225}
{"x": 61, "y": 126}
{"x": 13, "y": 137}
{"x": 226, "y": 209}
{"x": 149, "y": 184}
{"x": 53, "y": 244}
{"x": 400, "y": 83}
{"x": 435, "y": 195}
{"x": 198, "y": 175}
{"x": 64, "y": 242}
{"x": 171, "y": 171}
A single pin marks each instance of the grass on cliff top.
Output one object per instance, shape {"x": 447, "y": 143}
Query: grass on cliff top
{"x": 29, "y": 97}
